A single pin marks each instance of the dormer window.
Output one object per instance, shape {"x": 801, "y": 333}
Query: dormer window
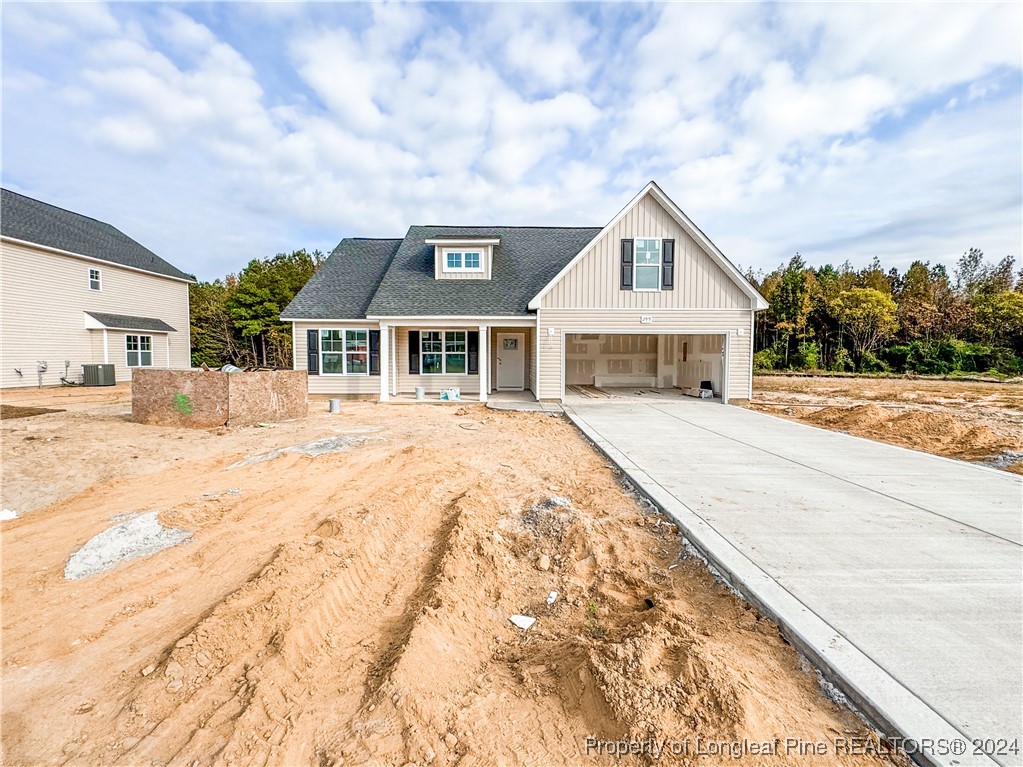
{"x": 463, "y": 257}
{"x": 463, "y": 261}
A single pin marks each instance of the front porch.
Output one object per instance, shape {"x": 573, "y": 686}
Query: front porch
{"x": 481, "y": 360}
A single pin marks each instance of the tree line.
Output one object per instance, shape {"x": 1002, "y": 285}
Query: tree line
{"x": 870, "y": 320}
{"x": 237, "y": 319}
{"x": 820, "y": 318}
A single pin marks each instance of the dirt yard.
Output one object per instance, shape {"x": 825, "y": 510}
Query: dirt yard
{"x": 351, "y": 604}
{"x": 968, "y": 420}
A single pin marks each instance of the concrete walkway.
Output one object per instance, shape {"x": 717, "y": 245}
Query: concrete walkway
{"x": 898, "y": 573}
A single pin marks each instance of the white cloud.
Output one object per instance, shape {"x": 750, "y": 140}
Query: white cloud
{"x": 282, "y": 130}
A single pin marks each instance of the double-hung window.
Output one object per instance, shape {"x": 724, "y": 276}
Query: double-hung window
{"x": 463, "y": 261}
{"x": 344, "y": 352}
{"x": 95, "y": 281}
{"x": 138, "y": 351}
{"x": 647, "y": 265}
{"x": 443, "y": 352}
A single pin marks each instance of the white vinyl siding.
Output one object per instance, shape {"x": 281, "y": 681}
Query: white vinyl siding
{"x": 595, "y": 281}
{"x": 44, "y": 297}
{"x": 362, "y": 385}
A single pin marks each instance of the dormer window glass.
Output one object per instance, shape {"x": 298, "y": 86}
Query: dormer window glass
{"x": 463, "y": 261}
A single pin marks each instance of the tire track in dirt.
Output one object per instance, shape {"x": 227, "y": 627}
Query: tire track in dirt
{"x": 309, "y": 619}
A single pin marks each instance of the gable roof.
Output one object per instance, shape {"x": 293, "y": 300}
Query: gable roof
{"x": 345, "y": 283}
{"x": 33, "y": 221}
{"x": 525, "y": 260}
{"x": 758, "y": 301}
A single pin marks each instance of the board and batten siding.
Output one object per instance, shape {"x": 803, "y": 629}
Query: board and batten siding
{"x": 594, "y": 281}
{"x": 706, "y": 300}
{"x": 556, "y": 323}
{"x": 44, "y": 297}
{"x": 332, "y": 384}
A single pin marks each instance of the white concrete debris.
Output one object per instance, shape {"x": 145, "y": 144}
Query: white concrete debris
{"x": 140, "y": 536}
{"x": 522, "y": 621}
{"x": 7, "y": 515}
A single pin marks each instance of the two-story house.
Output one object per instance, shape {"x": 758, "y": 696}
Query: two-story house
{"x": 76, "y": 291}
{"x": 646, "y": 301}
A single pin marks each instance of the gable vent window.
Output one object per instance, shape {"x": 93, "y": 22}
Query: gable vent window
{"x": 648, "y": 265}
{"x": 94, "y": 280}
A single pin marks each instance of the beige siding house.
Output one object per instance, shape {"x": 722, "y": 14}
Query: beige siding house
{"x": 75, "y": 291}
{"x": 645, "y": 301}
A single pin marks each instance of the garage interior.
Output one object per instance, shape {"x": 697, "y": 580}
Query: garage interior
{"x": 653, "y": 361}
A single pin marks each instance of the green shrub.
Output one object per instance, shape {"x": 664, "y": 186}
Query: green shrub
{"x": 949, "y": 357}
{"x": 766, "y": 359}
{"x": 871, "y": 364}
{"x": 807, "y": 357}
{"x": 842, "y": 363}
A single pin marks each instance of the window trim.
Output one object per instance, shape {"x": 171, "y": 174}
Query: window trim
{"x": 635, "y": 264}
{"x": 344, "y": 351}
{"x": 462, "y": 251}
{"x": 99, "y": 278}
{"x": 139, "y": 351}
{"x": 443, "y": 353}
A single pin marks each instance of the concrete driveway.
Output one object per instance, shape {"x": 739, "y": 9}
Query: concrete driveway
{"x": 898, "y": 572}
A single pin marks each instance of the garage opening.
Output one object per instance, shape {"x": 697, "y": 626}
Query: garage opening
{"x": 672, "y": 361}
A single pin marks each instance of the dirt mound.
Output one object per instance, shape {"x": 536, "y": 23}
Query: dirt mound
{"x": 933, "y": 432}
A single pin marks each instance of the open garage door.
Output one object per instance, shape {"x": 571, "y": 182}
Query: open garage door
{"x": 645, "y": 360}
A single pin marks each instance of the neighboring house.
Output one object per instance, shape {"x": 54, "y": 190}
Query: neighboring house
{"x": 77, "y": 291}
{"x": 646, "y": 301}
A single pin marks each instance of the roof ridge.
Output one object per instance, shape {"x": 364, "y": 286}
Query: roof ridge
{"x": 499, "y": 226}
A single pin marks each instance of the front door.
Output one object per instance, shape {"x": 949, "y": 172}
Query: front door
{"x": 511, "y": 361}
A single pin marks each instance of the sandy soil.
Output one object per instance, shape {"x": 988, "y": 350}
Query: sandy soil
{"x": 352, "y": 607}
{"x": 969, "y": 420}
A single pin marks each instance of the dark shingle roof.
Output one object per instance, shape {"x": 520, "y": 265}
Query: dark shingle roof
{"x": 525, "y": 261}
{"x": 127, "y": 322}
{"x": 343, "y": 286}
{"x": 24, "y": 218}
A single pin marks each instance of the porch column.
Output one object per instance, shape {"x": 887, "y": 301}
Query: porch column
{"x": 385, "y": 362}
{"x": 484, "y": 364}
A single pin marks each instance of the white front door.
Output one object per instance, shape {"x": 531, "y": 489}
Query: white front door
{"x": 511, "y": 361}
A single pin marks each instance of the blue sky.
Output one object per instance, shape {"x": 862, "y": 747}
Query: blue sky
{"x": 215, "y": 133}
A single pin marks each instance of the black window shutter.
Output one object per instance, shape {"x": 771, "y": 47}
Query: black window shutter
{"x": 313, "y": 343}
{"x": 374, "y": 352}
{"x": 473, "y": 345}
{"x": 626, "y": 264}
{"x": 668, "y": 265}
{"x": 413, "y": 352}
